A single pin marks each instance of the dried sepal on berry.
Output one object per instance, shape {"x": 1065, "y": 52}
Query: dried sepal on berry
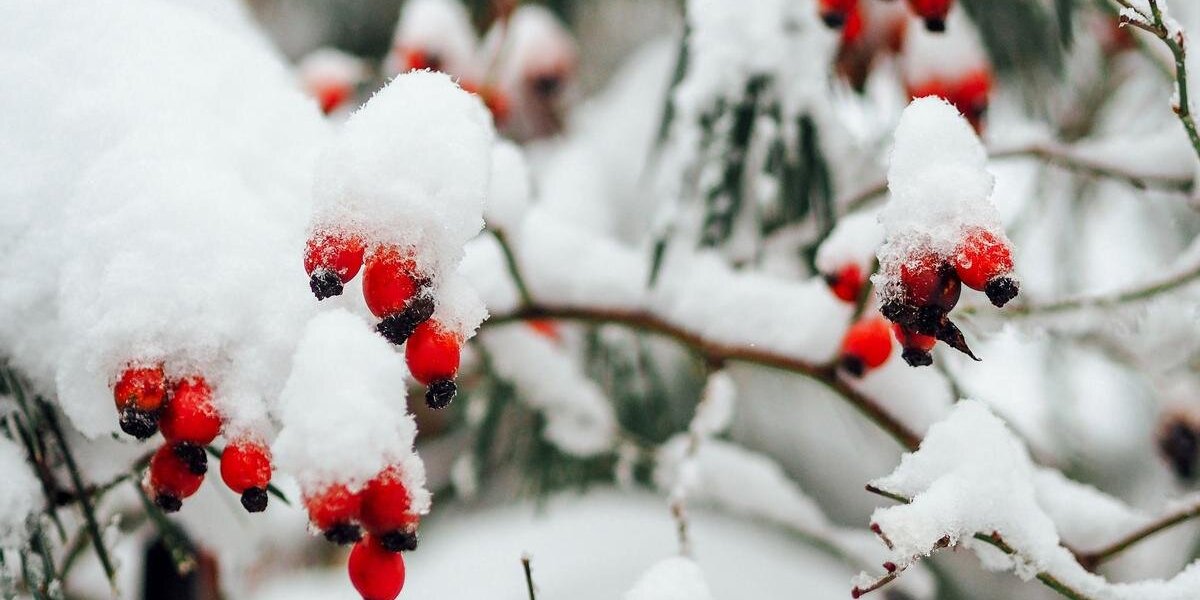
{"x": 139, "y": 394}
{"x": 334, "y": 511}
{"x": 332, "y": 258}
{"x": 246, "y": 469}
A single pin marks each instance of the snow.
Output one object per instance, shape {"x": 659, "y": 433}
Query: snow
{"x": 853, "y": 241}
{"x": 20, "y": 495}
{"x": 511, "y": 189}
{"x": 438, "y": 28}
{"x": 675, "y": 578}
{"x": 940, "y": 187}
{"x": 971, "y": 475}
{"x": 579, "y": 418}
{"x": 533, "y": 44}
{"x": 342, "y": 410}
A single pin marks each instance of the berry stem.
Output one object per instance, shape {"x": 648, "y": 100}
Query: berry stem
{"x": 526, "y": 565}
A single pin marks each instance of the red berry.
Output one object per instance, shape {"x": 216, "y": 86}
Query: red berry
{"x": 246, "y": 469}
{"x": 546, "y": 328}
{"x": 172, "y": 477}
{"x": 847, "y": 283}
{"x": 933, "y": 12}
{"x": 334, "y": 510}
{"x": 432, "y": 353}
{"x": 333, "y": 251}
{"x": 835, "y": 12}
{"x": 376, "y": 573}
{"x": 971, "y": 96}
{"x": 418, "y": 60}
{"x": 143, "y": 388}
{"x": 387, "y": 510}
{"x": 853, "y": 29}
{"x": 331, "y": 259}
{"x": 190, "y": 415}
{"x": 495, "y": 100}
{"x": 330, "y": 97}
{"x": 389, "y": 281}
{"x": 912, "y": 339}
{"x": 922, "y": 278}
{"x": 982, "y": 257}
{"x": 867, "y": 345}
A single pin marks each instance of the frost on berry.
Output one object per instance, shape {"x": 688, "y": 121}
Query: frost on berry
{"x": 940, "y": 225}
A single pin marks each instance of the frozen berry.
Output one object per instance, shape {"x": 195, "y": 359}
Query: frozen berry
{"x": 376, "y": 572}
{"x": 847, "y": 283}
{"x": 984, "y": 262}
{"x": 246, "y": 469}
{"x": 387, "y": 511}
{"x": 867, "y": 345}
{"x": 190, "y": 415}
{"x": 172, "y": 478}
{"x": 835, "y": 12}
{"x": 142, "y": 388}
{"x": 334, "y": 510}
{"x": 917, "y": 348}
{"x": 432, "y": 353}
{"x": 971, "y": 97}
{"x": 389, "y": 281}
{"x": 331, "y": 259}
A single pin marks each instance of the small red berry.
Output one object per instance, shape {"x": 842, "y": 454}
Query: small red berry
{"x": 246, "y": 469}
{"x": 923, "y": 278}
{"x": 331, "y": 259}
{"x": 546, "y": 328}
{"x": 387, "y": 511}
{"x": 495, "y": 100}
{"x": 983, "y": 262}
{"x": 867, "y": 345}
{"x": 835, "y": 12}
{"x": 933, "y": 12}
{"x": 917, "y": 347}
{"x": 190, "y": 415}
{"x": 173, "y": 475}
{"x": 376, "y": 573}
{"x": 389, "y": 281}
{"x": 143, "y": 388}
{"x": 971, "y": 97}
{"x": 847, "y": 283}
{"x": 418, "y": 60}
{"x": 335, "y": 510}
{"x": 433, "y": 356}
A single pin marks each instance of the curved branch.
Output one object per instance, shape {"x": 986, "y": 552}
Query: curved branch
{"x": 717, "y": 353}
{"x": 1110, "y": 300}
{"x": 1093, "y": 559}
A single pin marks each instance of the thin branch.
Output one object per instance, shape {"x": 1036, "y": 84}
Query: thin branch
{"x": 1090, "y": 560}
{"x": 997, "y": 541}
{"x": 1110, "y": 300}
{"x": 717, "y": 353}
{"x": 525, "y": 564}
{"x": 510, "y": 258}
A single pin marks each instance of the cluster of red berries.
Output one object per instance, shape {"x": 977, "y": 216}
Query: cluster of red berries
{"x": 383, "y": 507}
{"x": 396, "y": 293}
{"x": 184, "y": 412}
{"x": 843, "y": 13}
{"x": 931, "y": 286}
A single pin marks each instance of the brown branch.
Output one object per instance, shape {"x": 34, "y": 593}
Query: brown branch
{"x": 1091, "y": 560}
{"x": 718, "y": 353}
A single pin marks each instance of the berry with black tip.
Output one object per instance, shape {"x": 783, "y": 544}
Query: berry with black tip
{"x": 190, "y": 415}
{"x": 390, "y": 280}
{"x": 387, "y": 511}
{"x": 376, "y": 572}
{"x": 1179, "y": 444}
{"x": 835, "y": 12}
{"x": 332, "y": 259}
{"x": 984, "y": 262}
{"x": 432, "y": 354}
{"x": 932, "y": 12}
{"x": 334, "y": 510}
{"x": 172, "y": 477}
{"x": 867, "y": 345}
{"x": 139, "y": 394}
{"x": 917, "y": 347}
{"x": 246, "y": 469}
{"x": 847, "y": 283}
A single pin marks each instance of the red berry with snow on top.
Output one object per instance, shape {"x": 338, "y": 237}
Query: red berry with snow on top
{"x": 836, "y": 12}
{"x": 387, "y": 511}
{"x": 139, "y": 394}
{"x": 930, "y": 289}
{"x": 332, "y": 259}
{"x": 376, "y": 572}
{"x": 847, "y": 283}
{"x": 933, "y": 12}
{"x": 334, "y": 510}
{"x": 432, "y": 354}
{"x": 190, "y": 416}
{"x": 392, "y": 289}
{"x": 867, "y": 345}
{"x": 984, "y": 262}
{"x": 176, "y": 472}
{"x": 246, "y": 469}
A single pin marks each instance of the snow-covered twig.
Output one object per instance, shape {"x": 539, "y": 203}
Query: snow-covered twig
{"x": 1172, "y": 35}
{"x": 716, "y": 353}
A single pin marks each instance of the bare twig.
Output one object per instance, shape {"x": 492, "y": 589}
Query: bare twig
{"x": 510, "y": 258}
{"x": 1091, "y": 560}
{"x": 525, "y": 564}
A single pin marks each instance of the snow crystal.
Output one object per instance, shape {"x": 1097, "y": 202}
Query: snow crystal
{"x": 20, "y": 495}
{"x": 411, "y": 168}
{"x": 579, "y": 418}
{"x": 940, "y": 187}
{"x": 442, "y": 30}
{"x": 343, "y": 412}
{"x": 675, "y": 578}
